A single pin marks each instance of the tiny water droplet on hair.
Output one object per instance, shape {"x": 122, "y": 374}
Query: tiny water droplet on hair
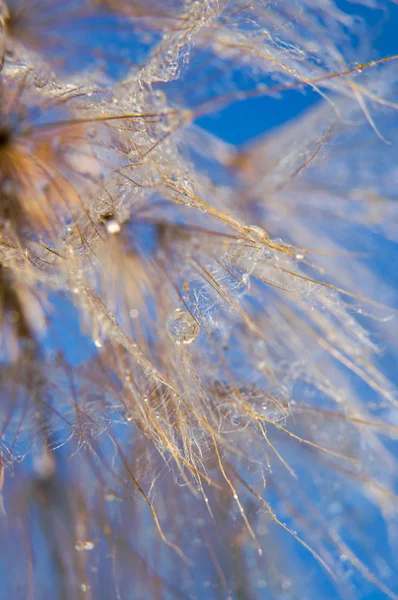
{"x": 84, "y": 545}
{"x": 182, "y": 327}
{"x": 256, "y": 233}
{"x": 235, "y": 419}
{"x": 112, "y": 226}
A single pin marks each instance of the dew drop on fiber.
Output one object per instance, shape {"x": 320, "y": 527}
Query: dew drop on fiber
{"x": 256, "y": 233}
{"x": 112, "y": 226}
{"x": 182, "y": 327}
{"x": 85, "y": 545}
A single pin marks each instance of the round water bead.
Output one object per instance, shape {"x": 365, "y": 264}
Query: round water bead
{"x": 84, "y": 545}
{"x": 112, "y": 226}
{"x": 257, "y": 233}
{"x": 182, "y": 327}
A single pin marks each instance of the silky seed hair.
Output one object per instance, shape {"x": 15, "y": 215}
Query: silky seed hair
{"x": 196, "y": 396}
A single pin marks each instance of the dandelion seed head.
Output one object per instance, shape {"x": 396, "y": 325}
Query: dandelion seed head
{"x": 117, "y": 204}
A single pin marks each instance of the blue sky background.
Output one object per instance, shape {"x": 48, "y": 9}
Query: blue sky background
{"x": 242, "y": 121}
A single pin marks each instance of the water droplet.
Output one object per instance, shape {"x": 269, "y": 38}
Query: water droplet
{"x": 92, "y": 132}
{"x": 256, "y": 233}
{"x": 260, "y": 552}
{"x": 98, "y": 343}
{"x": 129, "y": 416}
{"x": 112, "y": 226}
{"x": 85, "y": 545}
{"x": 235, "y": 419}
{"x": 182, "y": 327}
{"x": 84, "y": 587}
{"x": 88, "y": 545}
{"x": 160, "y": 97}
{"x": 246, "y": 279}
